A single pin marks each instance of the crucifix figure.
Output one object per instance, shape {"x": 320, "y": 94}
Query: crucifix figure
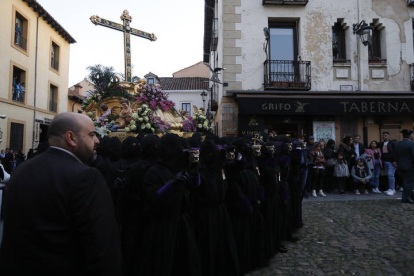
{"x": 126, "y": 18}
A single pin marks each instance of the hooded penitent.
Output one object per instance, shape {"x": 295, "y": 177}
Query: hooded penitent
{"x": 150, "y": 145}
{"x": 210, "y": 156}
{"x": 172, "y": 154}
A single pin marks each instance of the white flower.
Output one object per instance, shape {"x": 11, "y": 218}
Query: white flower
{"x": 135, "y": 115}
{"x": 146, "y": 119}
{"x": 199, "y": 126}
{"x": 139, "y": 109}
{"x": 133, "y": 127}
{"x": 132, "y": 122}
{"x": 148, "y": 125}
{"x": 152, "y": 129}
{"x": 142, "y": 126}
{"x": 140, "y": 119}
{"x": 127, "y": 129}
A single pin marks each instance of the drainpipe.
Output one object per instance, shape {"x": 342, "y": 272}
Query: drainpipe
{"x": 35, "y": 84}
{"x": 73, "y": 106}
{"x": 360, "y": 71}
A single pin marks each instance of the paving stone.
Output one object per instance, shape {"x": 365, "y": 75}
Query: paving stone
{"x": 354, "y": 237}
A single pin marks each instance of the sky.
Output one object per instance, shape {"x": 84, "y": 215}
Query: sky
{"x": 178, "y": 25}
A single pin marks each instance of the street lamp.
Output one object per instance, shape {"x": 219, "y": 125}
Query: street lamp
{"x": 364, "y": 31}
{"x": 204, "y": 96}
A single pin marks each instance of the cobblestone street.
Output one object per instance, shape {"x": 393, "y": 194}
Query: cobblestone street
{"x": 354, "y": 237}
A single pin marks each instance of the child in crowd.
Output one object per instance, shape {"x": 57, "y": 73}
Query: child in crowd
{"x": 341, "y": 172}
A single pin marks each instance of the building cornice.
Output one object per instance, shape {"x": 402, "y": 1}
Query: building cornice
{"x": 37, "y": 8}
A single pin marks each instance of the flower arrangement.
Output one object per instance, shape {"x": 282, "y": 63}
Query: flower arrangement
{"x": 102, "y": 128}
{"x": 155, "y": 97}
{"x": 197, "y": 123}
{"x": 145, "y": 122}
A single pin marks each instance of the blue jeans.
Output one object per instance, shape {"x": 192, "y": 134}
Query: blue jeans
{"x": 390, "y": 169}
{"x": 374, "y": 181}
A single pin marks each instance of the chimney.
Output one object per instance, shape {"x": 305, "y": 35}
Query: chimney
{"x": 78, "y": 89}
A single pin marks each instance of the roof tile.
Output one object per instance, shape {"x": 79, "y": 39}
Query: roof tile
{"x": 184, "y": 83}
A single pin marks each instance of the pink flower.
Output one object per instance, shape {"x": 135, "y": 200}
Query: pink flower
{"x": 153, "y": 104}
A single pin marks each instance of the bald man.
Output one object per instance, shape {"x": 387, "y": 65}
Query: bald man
{"x": 59, "y": 217}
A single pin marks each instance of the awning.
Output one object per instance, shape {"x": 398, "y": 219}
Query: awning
{"x": 324, "y": 102}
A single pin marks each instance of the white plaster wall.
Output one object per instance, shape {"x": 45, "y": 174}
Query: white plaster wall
{"x": 187, "y": 96}
{"x": 315, "y": 40}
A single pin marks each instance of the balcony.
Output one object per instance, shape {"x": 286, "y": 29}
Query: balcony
{"x": 214, "y": 35}
{"x": 20, "y": 41}
{"x": 287, "y": 75}
{"x": 287, "y": 2}
{"x": 410, "y": 2}
{"x": 213, "y": 103}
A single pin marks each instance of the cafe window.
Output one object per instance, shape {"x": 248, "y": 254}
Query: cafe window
{"x": 53, "y": 98}
{"x": 377, "y": 49}
{"x": 338, "y": 43}
{"x": 20, "y": 31}
{"x": 54, "y": 56}
{"x": 18, "y": 81}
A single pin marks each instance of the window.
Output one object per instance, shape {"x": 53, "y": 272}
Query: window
{"x": 338, "y": 43}
{"x": 150, "y": 80}
{"x": 283, "y": 67}
{"x": 20, "y": 31}
{"x": 53, "y": 97}
{"x": 16, "y": 137}
{"x": 18, "y": 84}
{"x": 186, "y": 107}
{"x": 377, "y": 49}
{"x": 54, "y": 56}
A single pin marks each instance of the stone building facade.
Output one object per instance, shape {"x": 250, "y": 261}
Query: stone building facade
{"x": 296, "y": 66}
{"x": 34, "y": 53}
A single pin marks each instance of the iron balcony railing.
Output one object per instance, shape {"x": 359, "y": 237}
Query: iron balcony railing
{"x": 55, "y": 64}
{"x": 52, "y": 106}
{"x": 213, "y": 103}
{"x": 287, "y": 74}
{"x": 286, "y": 2}
{"x": 214, "y": 35}
{"x": 20, "y": 41}
{"x": 412, "y": 76}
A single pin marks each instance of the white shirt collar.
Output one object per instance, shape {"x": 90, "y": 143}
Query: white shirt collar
{"x": 68, "y": 152}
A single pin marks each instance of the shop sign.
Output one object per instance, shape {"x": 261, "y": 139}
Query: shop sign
{"x": 323, "y": 106}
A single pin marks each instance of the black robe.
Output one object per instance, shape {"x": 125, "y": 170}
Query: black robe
{"x": 213, "y": 226}
{"x": 295, "y": 191}
{"x": 131, "y": 206}
{"x": 169, "y": 245}
{"x": 269, "y": 170}
{"x": 249, "y": 227}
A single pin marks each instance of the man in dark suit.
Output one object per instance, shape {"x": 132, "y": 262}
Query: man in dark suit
{"x": 59, "y": 217}
{"x": 405, "y": 161}
{"x": 359, "y": 147}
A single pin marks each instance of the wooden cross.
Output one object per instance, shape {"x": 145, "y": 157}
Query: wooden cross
{"x": 126, "y": 18}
